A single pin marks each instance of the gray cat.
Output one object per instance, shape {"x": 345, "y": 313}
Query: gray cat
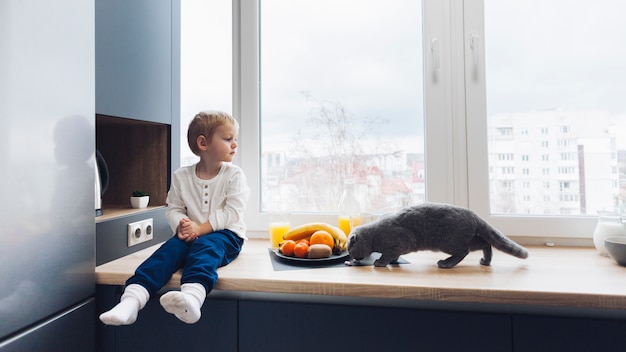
{"x": 430, "y": 226}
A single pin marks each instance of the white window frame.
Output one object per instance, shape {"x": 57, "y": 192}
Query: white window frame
{"x": 535, "y": 230}
{"x": 457, "y": 169}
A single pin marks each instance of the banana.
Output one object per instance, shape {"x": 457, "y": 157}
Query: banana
{"x": 305, "y": 231}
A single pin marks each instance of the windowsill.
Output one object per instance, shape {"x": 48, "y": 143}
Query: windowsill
{"x": 566, "y": 277}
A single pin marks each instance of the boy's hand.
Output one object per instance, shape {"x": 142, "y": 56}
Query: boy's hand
{"x": 188, "y": 230}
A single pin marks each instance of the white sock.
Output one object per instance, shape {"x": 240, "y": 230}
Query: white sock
{"x": 186, "y": 303}
{"x": 133, "y": 299}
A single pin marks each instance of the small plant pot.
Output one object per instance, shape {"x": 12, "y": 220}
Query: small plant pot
{"x": 139, "y": 202}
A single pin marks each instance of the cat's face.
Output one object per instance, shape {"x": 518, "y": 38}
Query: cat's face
{"x": 358, "y": 247}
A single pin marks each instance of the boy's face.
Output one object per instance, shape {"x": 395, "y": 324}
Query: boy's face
{"x": 223, "y": 143}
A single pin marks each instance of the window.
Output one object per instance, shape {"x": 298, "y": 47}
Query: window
{"x": 504, "y": 131}
{"x": 499, "y": 79}
{"x": 338, "y": 101}
{"x": 561, "y": 86}
{"x": 505, "y": 156}
{"x": 540, "y": 76}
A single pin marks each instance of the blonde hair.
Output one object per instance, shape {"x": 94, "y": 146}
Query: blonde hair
{"x": 204, "y": 124}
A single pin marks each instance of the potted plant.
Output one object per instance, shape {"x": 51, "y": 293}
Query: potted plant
{"x": 139, "y": 199}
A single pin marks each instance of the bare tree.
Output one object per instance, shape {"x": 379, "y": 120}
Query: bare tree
{"x": 328, "y": 150}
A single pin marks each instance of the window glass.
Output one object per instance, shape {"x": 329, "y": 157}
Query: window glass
{"x": 206, "y": 63}
{"x": 341, "y": 98}
{"x": 555, "y": 78}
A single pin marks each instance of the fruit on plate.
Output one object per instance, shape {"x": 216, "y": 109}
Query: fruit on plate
{"x": 286, "y": 248}
{"x": 322, "y": 237}
{"x": 301, "y": 250}
{"x": 319, "y": 250}
{"x": 307, "y": 230}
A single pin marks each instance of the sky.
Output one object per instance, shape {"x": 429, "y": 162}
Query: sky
{"x": 367, "y": 56}
{"x": 378, "y": 74}
{"x": 557, "y": 54}
{"x": 369, "y": 60}
{"x": 544, "y": 54}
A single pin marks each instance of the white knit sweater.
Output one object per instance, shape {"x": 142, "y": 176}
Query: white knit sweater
{"x": 221, "y": 200}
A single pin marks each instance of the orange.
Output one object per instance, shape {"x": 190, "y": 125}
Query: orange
{"x": 286, "y": 247}
{"x": 301, "y": 250}
{"x": 322, "y": 237}
{"x": 305, "y": 240}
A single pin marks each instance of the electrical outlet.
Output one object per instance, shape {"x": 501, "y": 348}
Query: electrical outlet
{"x": 140, "y": 231}
{"x": 148, "y": 229}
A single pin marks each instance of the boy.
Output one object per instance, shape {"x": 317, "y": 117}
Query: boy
{"x": 206, "y": 202}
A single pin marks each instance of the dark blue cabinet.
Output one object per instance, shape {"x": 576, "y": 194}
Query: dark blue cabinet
{"x": 157, "y": 330}
{"x": 137, "y": 55}
{"x": 572, "y": 334}
{"x": 137, "y": 59}
{"x": 282, "y": 326}
{"x": 112, "y": 236}
{"x": 248, "y": 325}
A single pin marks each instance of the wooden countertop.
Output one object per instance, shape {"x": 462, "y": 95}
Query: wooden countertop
{"x": 557, "y": 277}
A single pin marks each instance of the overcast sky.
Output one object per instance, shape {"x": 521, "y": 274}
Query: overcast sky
{"x": 542, "y": 54}
{"x": 364, "y": 55}
{"x": 367, "y": 55}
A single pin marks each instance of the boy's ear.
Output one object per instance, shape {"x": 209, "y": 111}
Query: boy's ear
{"x": 202, "y": 142}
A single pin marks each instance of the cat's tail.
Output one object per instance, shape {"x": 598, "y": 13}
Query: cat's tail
{"x": 500, "y": 241}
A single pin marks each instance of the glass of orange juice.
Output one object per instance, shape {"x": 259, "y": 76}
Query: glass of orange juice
{"x": 344, "y": 224}
{"x": 348, "y": 222}
{"x": 278, "y": 226}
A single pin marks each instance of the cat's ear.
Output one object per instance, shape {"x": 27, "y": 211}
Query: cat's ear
{"x": 351, "y": 240}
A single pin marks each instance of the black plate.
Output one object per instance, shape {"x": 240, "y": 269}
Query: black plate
{"x": 295, "y": 260}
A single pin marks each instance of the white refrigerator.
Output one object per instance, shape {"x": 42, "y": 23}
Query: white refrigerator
{"x": 47, "y": 138}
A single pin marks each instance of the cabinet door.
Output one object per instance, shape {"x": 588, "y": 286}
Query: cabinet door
{"x": 281, "y": 326}
{"x": 134, "y": 71}
{"x": 543, "y": 333}
{"x": 157, "y": 330}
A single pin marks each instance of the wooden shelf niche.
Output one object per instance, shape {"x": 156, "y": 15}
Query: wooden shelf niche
{"x": 137, "y": 154}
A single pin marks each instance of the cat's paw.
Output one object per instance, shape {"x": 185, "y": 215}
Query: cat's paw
{"x": 442, "y": 264}
{"x": 379, "y": 263}
{"x": 445, "y": 264}
{"x": 451, "y": 261}
{"x": 485, "y": 262}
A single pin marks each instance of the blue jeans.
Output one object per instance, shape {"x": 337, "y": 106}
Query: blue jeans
{"x": 199, "y": 260}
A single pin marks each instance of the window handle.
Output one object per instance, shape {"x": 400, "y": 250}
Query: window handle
{"x": 434, "y": 48}
{"x": 475, "y": 46}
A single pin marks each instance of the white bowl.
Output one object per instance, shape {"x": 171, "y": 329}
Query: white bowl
{"x": 616, "y": 247}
